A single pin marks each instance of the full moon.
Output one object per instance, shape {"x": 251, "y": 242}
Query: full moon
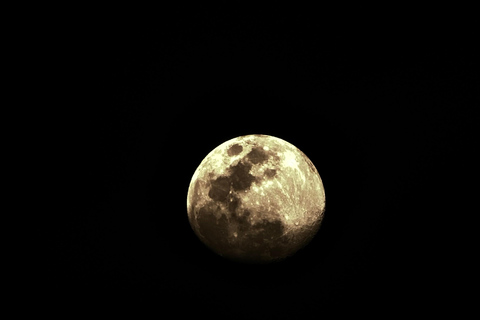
{"x": 256, "y": 198}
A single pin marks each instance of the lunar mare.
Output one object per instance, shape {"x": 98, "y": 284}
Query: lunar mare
{"x": 256, "y": 198}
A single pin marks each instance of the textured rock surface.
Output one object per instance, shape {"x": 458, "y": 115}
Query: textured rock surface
{"x": 256, "y": 198}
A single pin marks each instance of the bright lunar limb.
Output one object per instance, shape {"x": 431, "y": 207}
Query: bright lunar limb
{"x": 256, "y": 198}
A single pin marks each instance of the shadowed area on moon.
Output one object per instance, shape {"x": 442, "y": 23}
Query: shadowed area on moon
{"x": 257, "y": 242}
{"x": 264, "y": 241}
{"x": 270, "y": 173}
{"x": 240, "y": 177}
{"x": 257, "y": 155}
{"x": 234, "y": 150}
{"x": 219, "y": 189}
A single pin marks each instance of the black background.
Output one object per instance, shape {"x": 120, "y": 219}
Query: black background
{"x": 380, "y": 112}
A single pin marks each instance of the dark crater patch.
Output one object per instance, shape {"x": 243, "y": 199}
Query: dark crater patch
{"x": 257, "y": 155}
{"x": 270, "y": 173}
{"x": 260, "y": 233}
{"x": 270, "y": 229}
{"x": 243, "y": 223}
{"x": 220, "y": 189}
{"x": 233, "y": 203}
{"x": 234, "y": 150}
{"x": 214, "y": 230}
{"x": 261, "y": 240}
{"x": 265, "y": 232}
{"x": 240, "y": 176}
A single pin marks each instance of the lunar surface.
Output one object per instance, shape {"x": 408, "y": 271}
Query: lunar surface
{"x": 256, "y": 198}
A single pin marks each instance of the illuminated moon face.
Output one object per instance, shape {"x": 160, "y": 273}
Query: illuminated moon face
{"x": 256, "y": 198}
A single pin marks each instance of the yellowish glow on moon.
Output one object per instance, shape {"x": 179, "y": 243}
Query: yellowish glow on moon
{"x": 256, "y": 198}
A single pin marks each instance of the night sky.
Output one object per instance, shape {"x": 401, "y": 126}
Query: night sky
{"x": 380, "y": 112}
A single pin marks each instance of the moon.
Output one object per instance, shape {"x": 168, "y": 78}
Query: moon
{"x": 256, "y": 199}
